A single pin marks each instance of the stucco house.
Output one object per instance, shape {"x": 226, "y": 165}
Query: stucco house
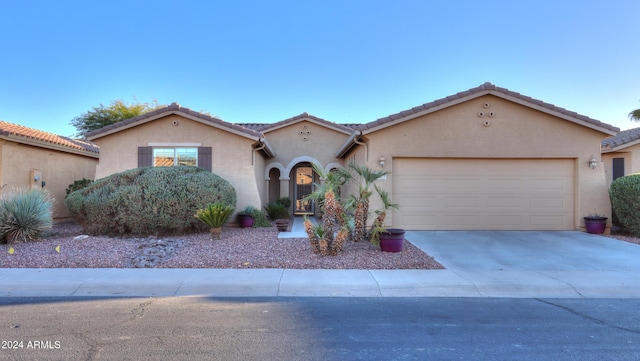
{"x": 484, "y": 159}
{"x": 621, "y": 154}
{"x": 35, "y": 159}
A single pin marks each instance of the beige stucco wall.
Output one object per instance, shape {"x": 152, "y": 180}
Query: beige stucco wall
{"x": 631, "y": 161}
{"x": 302, "y": 142}
{"x": 514, "y": 132}
{"x": 232, "y": 155}
{"x": 58, "y": 169}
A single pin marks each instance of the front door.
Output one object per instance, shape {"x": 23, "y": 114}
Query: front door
{"x": 304, "y": 187}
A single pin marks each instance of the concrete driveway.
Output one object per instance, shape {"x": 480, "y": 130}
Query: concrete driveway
{"x": 527, "y": 250}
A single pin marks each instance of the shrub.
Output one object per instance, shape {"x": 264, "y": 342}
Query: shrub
{"x": 215, "y": 215}
{"x": 78, "y": 184}
{"x": 625, "y": 200}
{"x": 259, "y": 218}
{"x": 150, "y": 200}
{"x": 25, "y": 214}
{"x": 276, "y": 210}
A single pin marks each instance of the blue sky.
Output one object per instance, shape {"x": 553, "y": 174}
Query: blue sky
{"x": 341, "y": 60}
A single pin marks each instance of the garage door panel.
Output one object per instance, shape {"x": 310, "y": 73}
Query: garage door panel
{"x": 483, "y": 194}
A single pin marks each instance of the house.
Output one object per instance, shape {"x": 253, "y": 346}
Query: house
{"x": 35, "y": 159}
{"x": 484, "y": 159}
{"x": 620, "y": 154}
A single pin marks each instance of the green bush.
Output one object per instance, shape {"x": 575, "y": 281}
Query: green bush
{"x": 25, "y": 214}
{"x": 149, "y": 200}
{"x": 625, "y": 201}
{"x": 276, "y": 210}
{"x": 259, "y": 218}
{"x": 78, "y": 184}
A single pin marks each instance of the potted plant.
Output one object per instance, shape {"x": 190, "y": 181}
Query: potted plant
{"x": 245, "y": 217}
{"x": 215, "y": 216}
{"x": 389, "y": 239}
{"x": 392, "y": 240}
{"x": 595, "y": 223}
{"x": 279, "y": 214}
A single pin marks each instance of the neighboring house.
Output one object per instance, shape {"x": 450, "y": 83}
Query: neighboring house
{"x": 484, "y": 159}
{"x": 36, "y": 159}
{"x": 621, "y": 154}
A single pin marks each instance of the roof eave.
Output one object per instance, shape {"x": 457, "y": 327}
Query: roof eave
{"x": 617, "y": 148}
{"x": 348, "y": 144}
{"x": 243, "y": 133}
{"x": 457, "y": 99}
{"x": 48, "y": 145}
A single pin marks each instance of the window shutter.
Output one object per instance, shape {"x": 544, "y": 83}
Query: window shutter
{"x": 205, "y": 158}
{"x": 145, "y": 157}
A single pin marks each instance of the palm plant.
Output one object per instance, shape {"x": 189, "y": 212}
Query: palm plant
{"x": 378, "y": 223}
{"x": 215, "y": 216}
{"x": 635, "y": 115}
{"x": 321, "y": 236}
{"x": 360, "y": 201}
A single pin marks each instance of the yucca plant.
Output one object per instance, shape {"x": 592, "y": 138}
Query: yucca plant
{"x": 25, "y": 214}
{"x": 215, "y": 216}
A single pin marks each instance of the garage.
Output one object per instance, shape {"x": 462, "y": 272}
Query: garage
{"x": 483, "y": 194}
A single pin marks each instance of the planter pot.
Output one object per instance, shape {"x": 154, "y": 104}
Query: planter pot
{"x": 245, "y": 220}
{"x": 216, "y": 233}
{"x": 282, "y": 224}
{"x": 595, "y": 225}
{"x": 392, "y": 240}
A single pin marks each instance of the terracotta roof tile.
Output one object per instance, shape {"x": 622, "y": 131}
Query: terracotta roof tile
{"x": 484, "y": 88}
{"x": 305, "y": 115}
{"x": 175, "y": 107}
{"x": 19, "y": 131}
{"x": 622, "y": 138}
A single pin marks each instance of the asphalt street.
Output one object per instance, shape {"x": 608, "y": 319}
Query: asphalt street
{"x": 317, "y": 328}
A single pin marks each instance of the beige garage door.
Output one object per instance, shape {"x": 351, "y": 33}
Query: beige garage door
{"x": 483, "y": 194}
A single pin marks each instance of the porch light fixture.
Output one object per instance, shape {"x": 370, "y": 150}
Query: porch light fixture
{"x": 381, "y": 161}
{"x": 593, "y": 162}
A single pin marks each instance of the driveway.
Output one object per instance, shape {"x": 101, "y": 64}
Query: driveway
{"x": 527, "y": 250}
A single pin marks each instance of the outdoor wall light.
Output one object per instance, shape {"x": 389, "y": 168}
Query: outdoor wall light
{"x": 593, "y": 162}
{"x": 381, "y": 161}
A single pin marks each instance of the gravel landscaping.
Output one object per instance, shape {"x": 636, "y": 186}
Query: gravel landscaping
{"x": 65, "y": 246}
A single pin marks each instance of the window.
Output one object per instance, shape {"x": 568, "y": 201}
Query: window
{"x": 618, "y": 168}
{"x": 169, "y": 157}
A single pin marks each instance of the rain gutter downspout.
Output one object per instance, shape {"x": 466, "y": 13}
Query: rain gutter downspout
{"x": 253, "y": 154}
{"x": 366, "y": 149}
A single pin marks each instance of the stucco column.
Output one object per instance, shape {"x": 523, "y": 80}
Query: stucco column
{"x": 284, "y": 187}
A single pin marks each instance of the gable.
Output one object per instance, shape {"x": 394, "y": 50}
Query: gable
{"x": 481, "y": 91}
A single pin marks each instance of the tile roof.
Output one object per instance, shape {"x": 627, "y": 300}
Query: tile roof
{"x": 21, "y": 133}
{"x": 486, "y": 88}
{"x": 622, "y": 138}
{"x": 305, "y": 116}
{"x": 174, "y": 108}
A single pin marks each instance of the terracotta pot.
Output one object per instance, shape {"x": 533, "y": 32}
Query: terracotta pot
{"x": 282, "y": 224}
{"x": 216, "y": 233}
{"x": 245, "y": 220}
{"x": 392, "y": 240}
{"x": 595, "y": 225}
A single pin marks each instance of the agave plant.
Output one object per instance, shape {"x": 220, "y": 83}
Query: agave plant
{"x": 25, "y": 214}
{"x": 215, "y": 216}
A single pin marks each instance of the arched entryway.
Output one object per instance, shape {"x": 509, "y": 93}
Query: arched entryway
{"x": 303, "y": 178}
